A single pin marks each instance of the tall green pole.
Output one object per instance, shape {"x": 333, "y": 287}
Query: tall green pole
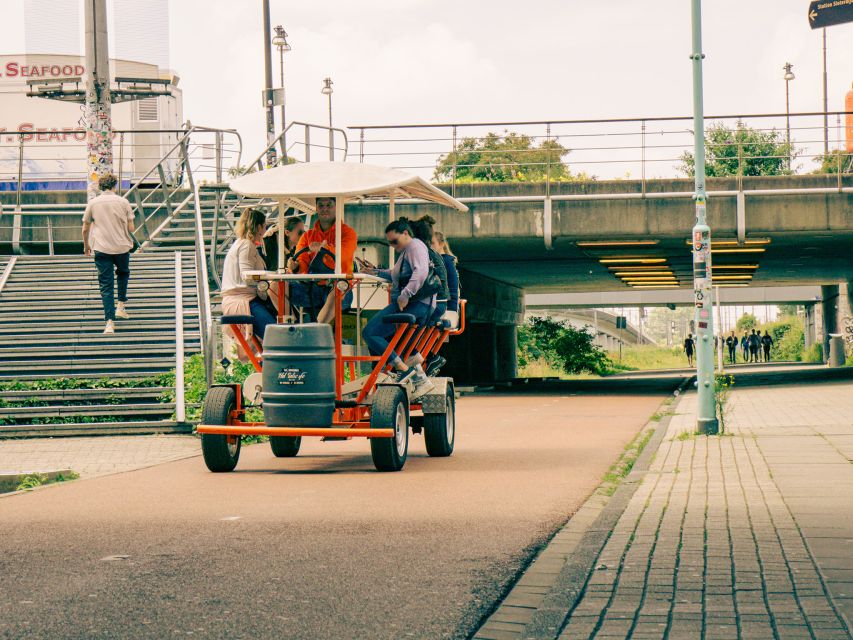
{"x": 707, "y": 414}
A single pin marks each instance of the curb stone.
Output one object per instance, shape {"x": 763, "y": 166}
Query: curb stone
{"x": 539, "y": 603}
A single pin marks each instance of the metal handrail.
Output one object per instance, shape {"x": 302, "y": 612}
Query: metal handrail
{"x": 258, "y": 162}
{"x": 606, "y": 147}
{"x": 189, "y": 131}
{"x": 180, "y": 401}
{"x": 134, "y": 193}
{"x": 202, "y": 281}
{"x": 181, "y": 206}
{"x": 520, "y": 123}
{"x": 7, "y": 271}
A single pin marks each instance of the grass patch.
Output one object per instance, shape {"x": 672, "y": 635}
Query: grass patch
{"x": 62, "y": 384}
{"x": 541, "y": 369}
{"x": 34, "y": 480}
{"x": 684, "y": 435}
{"x": 622, "y": 467}
{"x": 649, "y": 357}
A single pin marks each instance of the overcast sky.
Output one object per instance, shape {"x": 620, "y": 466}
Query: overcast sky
{"x": 413, "y": 61}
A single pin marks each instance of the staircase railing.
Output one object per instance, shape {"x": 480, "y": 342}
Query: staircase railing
{"x": 305, "y": 145}
{"x": 156, "y": 194}
{"x": 185, "y": 152}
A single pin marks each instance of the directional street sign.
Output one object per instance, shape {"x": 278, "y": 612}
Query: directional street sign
{"x": 825, "y": 13}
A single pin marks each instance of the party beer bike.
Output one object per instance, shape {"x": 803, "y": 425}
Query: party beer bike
{"x": 309, "y": 381}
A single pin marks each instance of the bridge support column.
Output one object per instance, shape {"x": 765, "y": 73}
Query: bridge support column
{"x": 845, "y": 314}
{"x": 829, "y": 315}
{"x": 809, "y": 325}
{"x": 487, "y": 351}
{"x": 506, "y": 348}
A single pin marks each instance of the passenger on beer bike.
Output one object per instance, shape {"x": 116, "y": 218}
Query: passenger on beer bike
{"x": 315, "y": 253}
{"x": 423, "y": 230}
{"x": 447, "y": 309}
{"x": 440, "y": 244}
{"x": 238, "y": 297}
{"x": 413, "y": 291}
{"x": 294, "y": 227}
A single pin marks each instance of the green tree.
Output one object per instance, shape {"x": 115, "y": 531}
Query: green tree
{"x": 560, "y": 345}
{"x": 754, "y": 152}
{"x": 834, "y": 160}
{"x": 512, "y": 157}
{"x": 788, "y": 309}
{"x": 747, "y": 322}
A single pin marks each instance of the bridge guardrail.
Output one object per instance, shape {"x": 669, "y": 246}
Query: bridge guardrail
{"x": 641, "y": 149}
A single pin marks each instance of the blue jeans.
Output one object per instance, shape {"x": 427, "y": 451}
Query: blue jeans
{"x": 262, "y": 316}
{"x": 377, "y": 332}
{"x": 440, "y": 308}
{"x": 106, "y": 262}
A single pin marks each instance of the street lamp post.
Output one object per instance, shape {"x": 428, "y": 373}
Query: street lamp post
{"x": 327, "y": 91}
{"x": 268, "y": 103}
{"x": 707, "y": 402}
{"x": 789, "y": 75}
{"x": 280, "y": 42}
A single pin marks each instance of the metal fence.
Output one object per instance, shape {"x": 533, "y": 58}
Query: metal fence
{"x": 606, "y": 149}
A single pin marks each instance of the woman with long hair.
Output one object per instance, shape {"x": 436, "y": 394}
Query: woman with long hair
{"x": 442, "y": 247}
{"x": 410, "y": 293}
{"x": 423, "y": 230}
{"x": 238, "y": 297}
{"x": 294, "y": 227}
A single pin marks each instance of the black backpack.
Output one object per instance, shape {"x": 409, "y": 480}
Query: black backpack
{"x": 436, "y": 263}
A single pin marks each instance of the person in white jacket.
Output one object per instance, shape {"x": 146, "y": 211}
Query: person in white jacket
{"x": 238, "y": 296}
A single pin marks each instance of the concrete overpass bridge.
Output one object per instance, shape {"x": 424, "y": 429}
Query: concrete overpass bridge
{"x": 604, "y": 238}
{"x": 631, "y": 237}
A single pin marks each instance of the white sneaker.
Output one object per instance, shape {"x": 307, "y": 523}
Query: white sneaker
{"x": 110, "y": 329}
{"x": 421, "y": 384}
{"x": 421, "y": 387}
{"x": 414, "y": 360}
{"x": 121, "y": 311}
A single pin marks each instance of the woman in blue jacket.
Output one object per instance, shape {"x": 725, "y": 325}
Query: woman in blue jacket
{"x": 408, "y": 295}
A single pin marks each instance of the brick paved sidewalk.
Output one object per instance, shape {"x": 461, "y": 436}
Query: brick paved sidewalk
{"x": 748, "y": 535}
{"x": 94, "y": 456}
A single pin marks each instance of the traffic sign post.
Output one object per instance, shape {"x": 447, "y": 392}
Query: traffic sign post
{"x": 706, "y": 419}
{"x": 826, "y": 13}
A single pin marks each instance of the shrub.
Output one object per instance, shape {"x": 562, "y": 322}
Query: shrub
{"x": 561, "y": 346}
{"x": 195, "y": 383}
{"x": 746, "y": 322}
{"x": 814, "y": 353}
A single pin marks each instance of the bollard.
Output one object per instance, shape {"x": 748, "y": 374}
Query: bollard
{"x": 836, "y": 350}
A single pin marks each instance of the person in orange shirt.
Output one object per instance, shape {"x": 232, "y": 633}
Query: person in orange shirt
{"x": 315, "y": 253}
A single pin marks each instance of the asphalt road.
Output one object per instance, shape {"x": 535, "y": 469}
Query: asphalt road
{"x": 320, "y": 546}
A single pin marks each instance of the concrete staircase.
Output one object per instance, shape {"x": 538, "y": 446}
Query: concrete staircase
{"x": 51, "y": 324}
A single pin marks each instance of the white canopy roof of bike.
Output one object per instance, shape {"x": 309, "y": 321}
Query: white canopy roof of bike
{"x": 299, "y": 185}
{"x": 350, "y": 181}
